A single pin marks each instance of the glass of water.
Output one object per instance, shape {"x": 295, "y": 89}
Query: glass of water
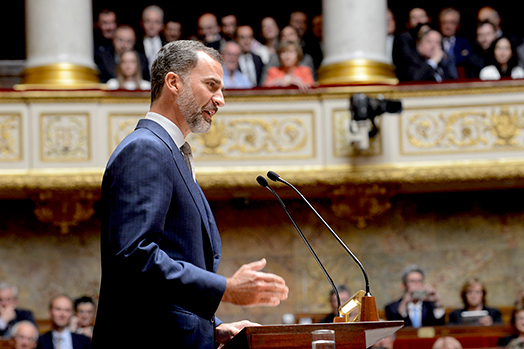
{"x": 323, "y": 339}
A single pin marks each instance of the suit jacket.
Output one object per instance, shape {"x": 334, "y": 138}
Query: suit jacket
{"x": 428, "y": 318}
{"x": 139, "y": 47}
{"x": 259, "y": 67}
{"x": 105, "y": 60}
{"x": 420, "y": 70}
{"x": 160, "y": 249}
{"x": 79, "y": 341}
{"x": 21, "y": 314}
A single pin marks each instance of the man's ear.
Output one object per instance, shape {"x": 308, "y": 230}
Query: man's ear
{"x": 173, "y": 82}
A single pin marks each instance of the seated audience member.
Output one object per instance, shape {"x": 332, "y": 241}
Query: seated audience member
{"x": 152, "y": 24}
{"x": 173, "y": 31}
{"x": 473, "y": 295}
{"x": 430, "y": 63}
{"x": 446, "y": 343}
{"x": 290, "y": 73}
{"x": 250, "y": 64}
{"x": 107, "y": 61}
{"x": 208, "y": 31}
{"x": 343, "y": 294}
{"x": 269, "y": 31}
{"x": 289, "y": 34}
{"x": 517, "y": 323}
{"x": 501, "y": 61}
{"x": 228, "y": 27}
{"x": 25, "y": 335}
{"x": 60, "y": 313}
{"x": 420, "y": 305}
{"x": 84, "y": 319}
{"x": 105, "y": 28}
{"x": 404, "y": 49}
{"x": 310, "y": 46}
{"x": 486, "y": 34}
{"x": 10, "y": 314}
{"x": 385, "y": 343}
{"x": 128, "y": 74}
{"x": 391, "y": 25}
{"x": 456, "y": 48}
{"x": 233, "y": 77}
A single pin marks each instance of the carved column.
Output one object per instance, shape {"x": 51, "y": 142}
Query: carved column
{"x": 355, "y": 43}
{"x": 59, "y": 45}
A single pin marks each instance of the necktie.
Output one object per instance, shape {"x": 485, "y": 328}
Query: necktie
{"x": 416, "y": 321}
{"x": 58, "y": 344}
{"x": 188, "y": 157}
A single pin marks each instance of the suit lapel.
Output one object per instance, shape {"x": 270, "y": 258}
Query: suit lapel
{"x": 185, "y": 173}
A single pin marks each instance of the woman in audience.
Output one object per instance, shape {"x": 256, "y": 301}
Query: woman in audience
{"x": 290, "y": 73}
{"x": 502, "y": 61}
{"x": 128, "y": 74}
{"x": 474, "y": 298}
{"x": 517, "y": 322}
{"x": 269, "y": 31}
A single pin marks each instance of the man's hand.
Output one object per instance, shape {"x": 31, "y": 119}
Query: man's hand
{"x": 224, "y": 332}
{"x": 251, "y": 287}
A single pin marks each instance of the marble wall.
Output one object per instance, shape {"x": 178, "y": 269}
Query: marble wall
{"x": 451, "y": 235}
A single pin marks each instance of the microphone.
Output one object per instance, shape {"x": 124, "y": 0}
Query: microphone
{"x": 263, "y": 182}
{"x": 371, "y": 312}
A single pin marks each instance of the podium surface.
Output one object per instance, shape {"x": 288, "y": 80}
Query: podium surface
{"x": 354, "y": 335}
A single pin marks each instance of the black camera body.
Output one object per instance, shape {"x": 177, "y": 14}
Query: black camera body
{"x": 364, "y": 107}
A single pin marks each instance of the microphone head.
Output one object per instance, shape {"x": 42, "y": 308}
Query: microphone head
{"x": 262, "y": 181}
{"x": 273, "y": 176}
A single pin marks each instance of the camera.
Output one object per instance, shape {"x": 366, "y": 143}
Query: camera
{"x": 419, "y": 295}
{"x": 364, "y": 107}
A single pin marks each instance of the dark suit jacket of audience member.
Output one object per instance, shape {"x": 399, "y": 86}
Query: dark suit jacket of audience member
{"x": 21, "y": 314}
{"x": 259, "y": 68}
{"x": 79, "y": 341}
{"x": 139, "y": 46}
{"x": 105, "y": 60}
{"x": 404, "y": 51}
{"x": 455, "y": 316}
{"x": 420, "y": 70}
{"x": 428, "y": 318}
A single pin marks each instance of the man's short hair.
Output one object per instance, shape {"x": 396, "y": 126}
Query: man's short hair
{"x": 179, "y": 57}
{"x": 15, "y": 327}
{"x": 411, "y": 269}
{"x": 83, "y": 300}
{"x": 6, "y": 285}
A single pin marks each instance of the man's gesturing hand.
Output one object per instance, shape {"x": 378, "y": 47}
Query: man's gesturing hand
{"x": 251, "y": 287}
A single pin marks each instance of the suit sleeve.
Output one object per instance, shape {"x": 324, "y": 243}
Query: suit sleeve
{"x": 142, "y": 190}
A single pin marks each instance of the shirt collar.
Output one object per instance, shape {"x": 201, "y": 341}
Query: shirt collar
{"x": 170, "y": 127}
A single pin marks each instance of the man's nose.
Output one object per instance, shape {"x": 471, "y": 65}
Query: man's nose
{"x": 218, "y": 99}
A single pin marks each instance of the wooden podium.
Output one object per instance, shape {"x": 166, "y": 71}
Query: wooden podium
{"x": 353, "y": 335}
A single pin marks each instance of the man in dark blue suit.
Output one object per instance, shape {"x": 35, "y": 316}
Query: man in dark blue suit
{"x": 160, "y": 245}
{"x": 421, "y": 304}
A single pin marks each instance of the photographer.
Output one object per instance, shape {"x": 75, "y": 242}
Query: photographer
{"x": 421, "y": 304}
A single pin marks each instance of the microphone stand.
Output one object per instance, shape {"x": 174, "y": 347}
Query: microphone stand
{"x": 368, "y": 305}
{"x": 263, "y": 182}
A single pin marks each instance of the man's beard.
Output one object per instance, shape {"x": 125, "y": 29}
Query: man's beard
{"x": 191, "y": 112}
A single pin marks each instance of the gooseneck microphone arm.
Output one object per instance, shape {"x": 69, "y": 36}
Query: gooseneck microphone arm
{"x": 276, "y": 178}
{"x": 263, "y": 182}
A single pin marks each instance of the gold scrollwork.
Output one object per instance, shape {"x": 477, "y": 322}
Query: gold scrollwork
{"x": 466, "y": 130}
{"x": 10, "y": 128}
{"x": 65, "y": 137}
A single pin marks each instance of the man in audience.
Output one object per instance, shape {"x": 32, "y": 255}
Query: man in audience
{"x": 233, "y": 77}
{"x": 173, "y": 31}
{"x": 250, "y": 64}
{"x": 25, "y": 335}
{"x": 107, "y": 61}
{"x": 404, "y": 50}
{"x": 10, "y": 314}
{"x": 105, "y": 28}
{"x": 152, "y": 24}
{"x": 229, "y": 27}
{"x": 420, "y": 305}
{"x": 488, "y": 13}
{"x": 486, "y": 34}
{"x": 343, "y": 294}
{"x": 83, "y": 320}
{"x": 209, "y": 31}
{"x": 431, "y": 63}
{"x": 60, "y": 337}
{"x": 457, "y": 48}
